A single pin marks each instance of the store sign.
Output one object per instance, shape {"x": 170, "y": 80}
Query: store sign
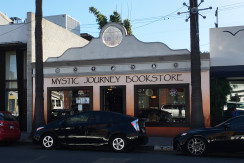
{"x": 153, "y": 78}
{"x": 64, "y": 81}
{"x": 118, "y": 79}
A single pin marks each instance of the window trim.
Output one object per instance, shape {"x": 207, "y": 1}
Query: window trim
{"x": 161, "y": 124}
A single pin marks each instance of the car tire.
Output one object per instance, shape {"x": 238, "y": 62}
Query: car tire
{"x": 48, "y": 141}
{"x": 196, "y": 146}
{"x": 118, "y": 143}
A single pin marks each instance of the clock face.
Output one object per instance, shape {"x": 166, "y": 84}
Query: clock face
{"x": 112, "y": 36}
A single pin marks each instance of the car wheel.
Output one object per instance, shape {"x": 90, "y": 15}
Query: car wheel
{"x": 48, "y": 141}
{"x": 118, "y": 143}
{"x": 196, "y": 146}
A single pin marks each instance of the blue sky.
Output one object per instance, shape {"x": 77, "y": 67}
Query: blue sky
{"x": 152, "y": 20}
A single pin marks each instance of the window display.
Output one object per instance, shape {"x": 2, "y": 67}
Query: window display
{"x": 163, "y": 104}
{"x": 67, "y": 102}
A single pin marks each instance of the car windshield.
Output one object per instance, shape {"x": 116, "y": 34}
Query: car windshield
{"x": 6, "y": 117}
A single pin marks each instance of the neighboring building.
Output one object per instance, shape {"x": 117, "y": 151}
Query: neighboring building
{"x": 4, "y": 19}
{"x": 227, "y": 56}
{"x": 66, "y": 22}
{"x": 116, "y": 72}
{"x": 17, "y": 52}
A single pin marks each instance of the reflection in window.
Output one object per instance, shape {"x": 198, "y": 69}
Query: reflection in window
{"x": 12, "y": 102}
{"x": 11, "y": 66}
{"x": 236, "y": 98}
{"x": 68, "y": 102}
{"x": 166, "y": 105}
{"x": 80, "y": 118}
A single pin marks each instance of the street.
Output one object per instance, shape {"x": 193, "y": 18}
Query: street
{"x": 33, "y": 153}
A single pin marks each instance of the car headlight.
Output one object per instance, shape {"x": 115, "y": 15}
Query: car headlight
{"x": 183, "y": 134}
{"x": 39, "y": 128}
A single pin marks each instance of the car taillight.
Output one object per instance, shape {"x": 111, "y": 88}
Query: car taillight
{"x": 135, "y": 125}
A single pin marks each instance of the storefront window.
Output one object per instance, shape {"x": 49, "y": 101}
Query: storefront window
{"x": 12, "y": 102}
{"x": 68, "y": 102}
{"x": 11, "y": 93}
{"x": 236, "y": 98}
{"x": 162, "y": 104}
{"x": 11, "y": 66}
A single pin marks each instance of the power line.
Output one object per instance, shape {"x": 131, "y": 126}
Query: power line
{"x": 149, "y": 20}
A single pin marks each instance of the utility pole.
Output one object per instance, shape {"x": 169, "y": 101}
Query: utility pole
{"x": 197, "y": 117}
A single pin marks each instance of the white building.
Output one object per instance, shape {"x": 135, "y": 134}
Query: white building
{"x": 17, "y": 52}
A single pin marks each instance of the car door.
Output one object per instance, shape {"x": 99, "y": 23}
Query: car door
{"x": 98, "y": 130}
{"x": 74, "y": 129}
{"x": 237, "y": 139}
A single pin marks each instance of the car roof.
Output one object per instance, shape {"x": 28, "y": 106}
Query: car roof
{"x": 107, "y": 112}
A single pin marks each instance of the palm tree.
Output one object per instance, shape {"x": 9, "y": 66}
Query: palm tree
{"x": 115, "y": 17}
{"x": 197, "y": 118}
{"x": 39, "y": 103}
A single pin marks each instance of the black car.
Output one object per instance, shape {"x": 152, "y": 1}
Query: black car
{"x": 225, "y": 137}
{"x": 93, "y": 128}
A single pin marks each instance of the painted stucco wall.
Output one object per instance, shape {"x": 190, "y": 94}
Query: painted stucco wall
{"x": 129, "y": 47}
{"x": 226, "y": 46}
{"x": 13, "y": 33}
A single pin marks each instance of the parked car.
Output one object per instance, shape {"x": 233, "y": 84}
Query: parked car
{"x": 95, "y": 128}
{"x": 225, "y": 137}
{"x": 9, "y": 127}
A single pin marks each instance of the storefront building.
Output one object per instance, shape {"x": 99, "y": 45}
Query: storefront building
{"x": 227, "y": 56}
{"x": 116, "y": 72}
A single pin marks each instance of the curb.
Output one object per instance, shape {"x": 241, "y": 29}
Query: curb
{"x": 156, "y": 148}
{"x": 163, "y": 148}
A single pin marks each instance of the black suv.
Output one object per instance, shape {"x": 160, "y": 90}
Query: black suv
{"x": 119, "y": 131}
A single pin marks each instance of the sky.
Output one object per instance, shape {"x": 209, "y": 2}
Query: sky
{"x": 151, "y": 20}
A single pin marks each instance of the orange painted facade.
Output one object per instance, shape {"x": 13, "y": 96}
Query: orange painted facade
{"x": 185, "y": 78}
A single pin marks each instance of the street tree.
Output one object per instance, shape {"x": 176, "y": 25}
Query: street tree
{"x": 39, "y": 100}
{"x": 115, "y": 17}
{"x": 197, "y": 118}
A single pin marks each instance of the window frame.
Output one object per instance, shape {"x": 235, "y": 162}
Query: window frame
{"x": 159, "y": 86}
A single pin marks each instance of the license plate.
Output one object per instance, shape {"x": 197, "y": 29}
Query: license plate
{"x": 11, "y": 127}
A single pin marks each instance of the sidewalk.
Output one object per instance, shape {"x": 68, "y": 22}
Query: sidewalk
{"x": 154, "y": 143}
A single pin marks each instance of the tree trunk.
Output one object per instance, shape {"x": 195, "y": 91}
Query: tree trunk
{"x": 39, "y": 100}
{"x": 197, "y": 118}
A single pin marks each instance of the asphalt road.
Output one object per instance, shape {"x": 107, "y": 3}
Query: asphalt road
{"x": 28, "y": 153}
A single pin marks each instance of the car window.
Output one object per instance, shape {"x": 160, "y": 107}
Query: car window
{"x": 237, "y": 122}
{"x": 79, "y": 118}
{"x": 6, "y": 117}
{"x": 101, "y": 117}
{"x": 105, "y": 117}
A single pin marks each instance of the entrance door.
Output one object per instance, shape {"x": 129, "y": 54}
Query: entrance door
{"x": 113, "y": 98}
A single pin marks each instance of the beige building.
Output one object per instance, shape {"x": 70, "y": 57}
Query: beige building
{"x": 116, "y": 72}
